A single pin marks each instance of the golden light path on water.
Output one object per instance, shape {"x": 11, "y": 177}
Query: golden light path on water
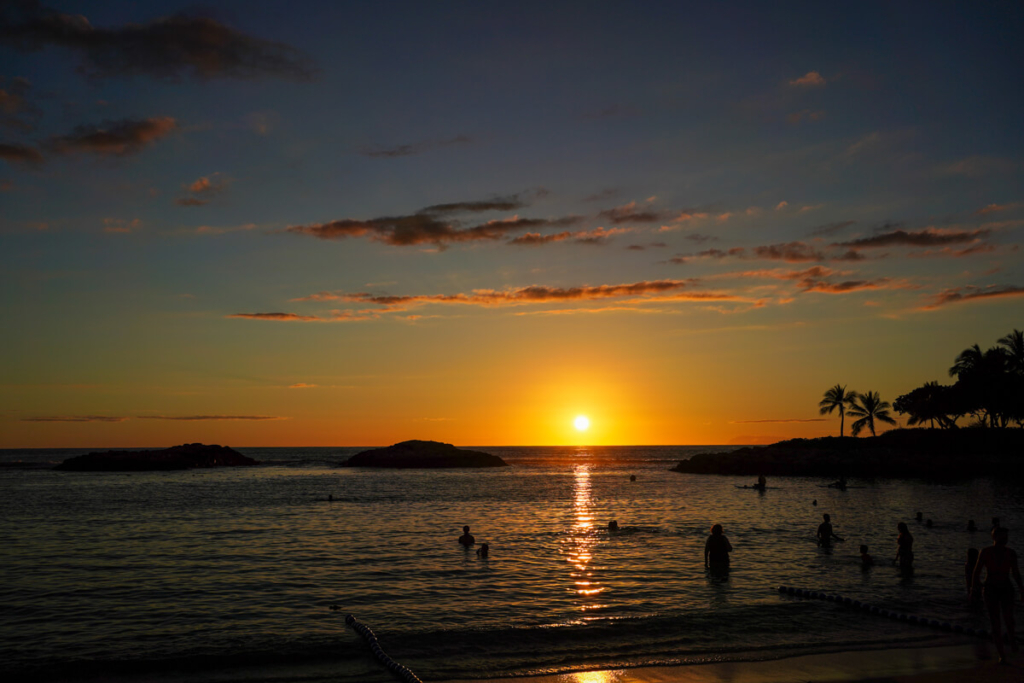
{"x": 582, "y": 539}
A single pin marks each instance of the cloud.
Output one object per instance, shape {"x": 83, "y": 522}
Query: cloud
{"x": 972, "y": 293}
{"x": 75, "y": 418}
{"x": 980, "y": 248}
{"x": 805, "y": 115}
{"x": 168, "y": 48}
{"x": 121, "y": 225}
{"x": 302, "y": 385}
{"x": 290, "y": 317}
{"x": 203, "y": 190}
{"x": 213, "y": 230}
{"x": 791, "y": 252}
{"x": 826, "y": 287}
{"x": 199, "y": 418}
{"x": 830, "y": 228}
{"x": 992, "y": 208}
{"x": 781, "y": 205}
{"x": 700, "y": 239}
{"x": 20, "y": 154}
{"x": 16, "y": 112}
{"x": 781, "y": 420}
{"x": 629, "y": 213}
{"x": 929, "y": 237}
{"x": 977, "y": 166}
{"x": 434, "y": 225}
{"x": 414, "y": 148}
{"x": 117, "y": 138}
{"x": 595, "y": 236}
{"x": 812, "y": 79}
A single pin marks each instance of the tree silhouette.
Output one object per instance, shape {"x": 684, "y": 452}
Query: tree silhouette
{"x": 869, "y": 407}
{"x": 836, "y": 397}
{"x": 969, "y": 359}
{"x": 1013, "y": 347}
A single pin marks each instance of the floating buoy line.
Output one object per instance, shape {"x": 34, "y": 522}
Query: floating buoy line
{"x": 882, "y": 612}
{"x": 362, "y": 629}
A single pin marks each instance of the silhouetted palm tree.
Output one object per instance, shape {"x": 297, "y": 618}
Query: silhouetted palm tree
{"x": 1013, "y": 347}
{"x": 837, "y": 397}
{"x": 969, "y": 359}
{"x": 869, "y": 407}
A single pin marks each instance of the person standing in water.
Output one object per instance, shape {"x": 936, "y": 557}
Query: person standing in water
{"x": 1000, "y": 563}
{"x": 904, "y": 548}
{"x": 466, "y": 539}
{"x": 762, "y": 483}
{"x": 825, "y": 532}
{"x": 717, "y": 549}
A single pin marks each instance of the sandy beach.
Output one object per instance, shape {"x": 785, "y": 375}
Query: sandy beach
{"x": 950, "y": 664}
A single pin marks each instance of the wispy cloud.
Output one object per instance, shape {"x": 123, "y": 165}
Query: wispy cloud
{"x": 630, "y": 213}
{"x": 415, "y": 147}
{"x": 780, "y": 420}
{"x": 811, "y": 79}
{"x": 830, "y": 228}
{"x": 597, "y": 236}
{"x": 805, "y": 115}
{"x": 20, "y": 154}
{"x": 167, "y": 48}
{"x": 992, "y": 208}
{"x": 929, "y": 237}
{"x": 202, "y": 190}
{"x": 200, "y": 418}
{"x": 978, "y": 166}
{"x": 114, "y": 138}
{"x": 75, "y": 418}
{"x": 285, "y": 317}
{"x": 302, "y": 385}
{"x": 972, "y": 293}
{"x": 121, "y": 225}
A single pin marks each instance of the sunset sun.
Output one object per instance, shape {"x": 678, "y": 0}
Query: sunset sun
{"x": 582, "y": 423}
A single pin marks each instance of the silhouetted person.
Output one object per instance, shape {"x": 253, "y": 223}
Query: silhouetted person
{"x": 995, "y": 524}
{"x": 613, "y": 525}
{"x": 483, "y": 550}
{"x": 825, "y": 533}
{"x": 466, "y": 539}
{"x": 904, "y": 548}
{"x": 1000, "y": 563}
{"x": 841, "y": 484}
{"x": 330, "y": 498}
{"x": 865, "y": 559}
{"x": 919, "y": 516}
{"x": 632, "y": 477}
{"x": 717, "y": 549}
{"x": 971, "y": 526}
{"x": 969, "y": 567}
{"x": 762, "y": 483}
{"x": 928, "y": 523}
{"x": 814, "y": 502}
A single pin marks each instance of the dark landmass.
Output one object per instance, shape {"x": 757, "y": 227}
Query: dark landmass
{"x": 423, "y": 454}
{"x": 185, "y": 457}
{"x": 900, "y": 453}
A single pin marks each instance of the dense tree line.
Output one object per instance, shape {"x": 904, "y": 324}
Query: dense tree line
{"x": 989, "y": 387}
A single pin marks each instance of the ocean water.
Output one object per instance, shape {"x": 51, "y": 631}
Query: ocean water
{"x": 230, "y": 574}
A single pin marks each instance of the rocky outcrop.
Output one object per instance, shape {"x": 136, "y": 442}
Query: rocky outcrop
{"x": 185, "y": 457}
{"x": 423, "y": 454}
{"x": 900, "y": 453}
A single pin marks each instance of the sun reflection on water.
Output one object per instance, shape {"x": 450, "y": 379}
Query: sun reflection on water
{"x": 582, "y": 540}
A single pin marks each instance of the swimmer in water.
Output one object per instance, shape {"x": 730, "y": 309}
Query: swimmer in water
{"x": 904, "y": 548}
{"x": 1000, "y": 564}
{"x": 613, "y": 525}
{"x": 717, "y": 549}
{"x": 762, "y": 483}
{"x": 466, "y": 539}
{"x": 825, "y": 532}
{"x": 865, "y": 559}
{"x": 482, "y": 550}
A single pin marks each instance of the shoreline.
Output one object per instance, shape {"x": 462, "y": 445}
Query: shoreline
{"x": 942, "y": 664}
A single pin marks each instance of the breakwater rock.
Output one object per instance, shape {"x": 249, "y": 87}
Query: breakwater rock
{"x": 423, "y": 454}
{"x": 900, "y": 453}
{"x": 184, "y": 457}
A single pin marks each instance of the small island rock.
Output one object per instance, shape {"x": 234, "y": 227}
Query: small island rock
{"x": 423, "y": 454}
{"x": 184, "y": 457}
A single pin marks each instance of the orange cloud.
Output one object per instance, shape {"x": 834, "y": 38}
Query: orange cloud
{"x": 20, "y": 154}
{"x": 972, "y": 293}
{"x": 629, "y": 213}
{"x": 115, "y": 138}
{"x": 929, "y": 237}
{"x": 290, "y": 317}
{"x": 812, "y": 79}
{"x": 302, "y": 385}
{"x": 992, "y": 208}
{"x": 75, "y": 418}
{"x": 200, "y": 418}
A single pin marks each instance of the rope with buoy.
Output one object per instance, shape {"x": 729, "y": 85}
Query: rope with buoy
{"x": 362, "y": 629}
{"x": 879, "y": 611}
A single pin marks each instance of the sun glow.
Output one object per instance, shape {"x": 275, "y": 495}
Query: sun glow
{"x": 582, "y": 423}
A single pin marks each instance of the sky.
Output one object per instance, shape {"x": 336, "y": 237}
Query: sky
{"x": 327, "y": 224}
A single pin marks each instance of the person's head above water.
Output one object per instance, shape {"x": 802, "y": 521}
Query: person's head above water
{"x": 465, "y": 529}
{"x": 716, "y": 530}
{"x": 863, "y": 550}
{"x": 827, "y": 517}
{"x": 902, "y": 528}
{"x": 613, "y": 525}
{"x": 1000, "y": 535}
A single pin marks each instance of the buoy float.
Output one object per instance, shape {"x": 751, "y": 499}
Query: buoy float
{"x": 399, "y": 670}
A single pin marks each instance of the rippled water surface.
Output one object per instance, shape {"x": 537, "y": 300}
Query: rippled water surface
{"x": 233, "y": 571}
